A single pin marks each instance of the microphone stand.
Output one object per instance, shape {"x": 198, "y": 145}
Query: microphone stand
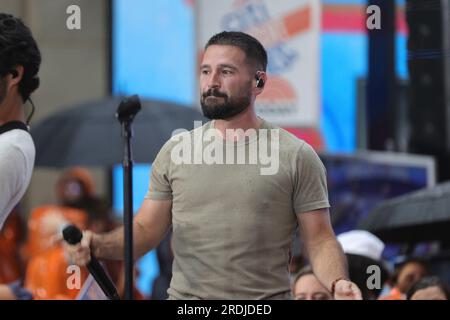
{"x": 126, "y": 112}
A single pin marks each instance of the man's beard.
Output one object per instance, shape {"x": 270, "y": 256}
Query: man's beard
{"x": 3, "y": 87}
{"x": 230, "y": 107}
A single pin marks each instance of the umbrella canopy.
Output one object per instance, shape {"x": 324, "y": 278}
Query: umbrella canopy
{"x": 423, "y": 215}
{"x": 89, "y": 134}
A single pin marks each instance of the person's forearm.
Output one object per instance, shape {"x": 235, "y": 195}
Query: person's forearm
{"x": 110, "y": 246}
{"x": 328, "y": 261}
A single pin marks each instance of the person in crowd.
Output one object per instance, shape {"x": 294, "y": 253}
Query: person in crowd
{"x": 406, "y": 274}
{"x": 429, "y": 288}
{"x": 364, "y": 256}
{"x": 47, "y": 266}
{"x": 306, "y": 286}
{"x": 73, "y": 190}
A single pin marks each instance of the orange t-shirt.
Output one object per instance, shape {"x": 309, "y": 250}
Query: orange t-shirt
{"x": 47, "y": 274}
{"x": 49, "y": 277}
{"x": 395, "y": 294}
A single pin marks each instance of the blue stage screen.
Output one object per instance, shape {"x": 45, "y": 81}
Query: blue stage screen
{"x": 154, "y": 50}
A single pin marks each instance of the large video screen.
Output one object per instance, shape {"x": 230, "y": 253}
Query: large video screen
{"x": 345, "y": 53}
{"x": 358, "y": 183}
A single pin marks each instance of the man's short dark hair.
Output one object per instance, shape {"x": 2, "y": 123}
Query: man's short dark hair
{"x": 18, "y": 48}
{"x": 253, "y": 49}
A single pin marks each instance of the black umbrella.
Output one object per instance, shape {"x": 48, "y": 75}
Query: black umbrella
{"x": 423, "y": 215}
{"x": 90, "y": 135}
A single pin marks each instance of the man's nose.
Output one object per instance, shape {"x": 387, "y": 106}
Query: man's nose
{"x": 214, "y": 81}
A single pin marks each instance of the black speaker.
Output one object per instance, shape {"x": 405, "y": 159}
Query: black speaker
{"x": 429, "y": 72}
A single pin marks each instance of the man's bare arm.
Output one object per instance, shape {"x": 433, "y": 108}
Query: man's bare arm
{"x": 150, "y": 226}
{"x": 325, "y": 253}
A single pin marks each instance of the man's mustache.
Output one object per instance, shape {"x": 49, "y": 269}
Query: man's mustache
{"x": 214, "y": 93}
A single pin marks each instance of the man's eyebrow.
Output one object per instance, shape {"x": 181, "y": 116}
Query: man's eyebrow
{"x": 229, "y": 66}
{"x": 222, "y": 66}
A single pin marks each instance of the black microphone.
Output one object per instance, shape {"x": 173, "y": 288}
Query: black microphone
{"x": 128, "y": 109}
{"x": 73, "y": 235}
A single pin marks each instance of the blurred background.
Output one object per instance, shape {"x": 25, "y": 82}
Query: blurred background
{"x": 368, "y": 89}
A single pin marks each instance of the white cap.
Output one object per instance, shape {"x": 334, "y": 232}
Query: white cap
{"x": 362, "y": 243}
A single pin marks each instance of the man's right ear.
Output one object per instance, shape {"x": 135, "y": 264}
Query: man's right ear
{"x": 259, "y": 83}
{"x": 14, "y": 73}
{"x": 259, "y": 80}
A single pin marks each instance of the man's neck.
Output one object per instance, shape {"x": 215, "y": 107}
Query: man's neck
{"x": 244, "y": 121}
{"x": 12, "y": 110}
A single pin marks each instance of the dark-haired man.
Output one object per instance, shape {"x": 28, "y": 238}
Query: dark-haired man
{"x": 233, "y": 222}
{"x": 19, "y": 65}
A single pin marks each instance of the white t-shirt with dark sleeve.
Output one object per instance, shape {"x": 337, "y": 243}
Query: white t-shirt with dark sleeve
{"x": 17, "y": 153}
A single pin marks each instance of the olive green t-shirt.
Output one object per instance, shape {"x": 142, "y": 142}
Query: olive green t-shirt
{"x": 234, "y": 223}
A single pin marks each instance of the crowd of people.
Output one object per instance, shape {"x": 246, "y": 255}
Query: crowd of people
{"x": 409, "y": 279}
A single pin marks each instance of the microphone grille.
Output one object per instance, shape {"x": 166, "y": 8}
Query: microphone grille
{"x": 72, "y": 234}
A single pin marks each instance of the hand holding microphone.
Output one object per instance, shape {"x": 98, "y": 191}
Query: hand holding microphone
{"x": 79, "y": 252}
{"x": 77, "y": 246}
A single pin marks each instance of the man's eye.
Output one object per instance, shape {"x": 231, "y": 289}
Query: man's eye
{"x": 227, "y": 71}
{"x": 204, "y": 72}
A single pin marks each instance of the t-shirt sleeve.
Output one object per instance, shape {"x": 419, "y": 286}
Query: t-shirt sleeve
{"x": 160, "y": 187}
{"x": 11, "y": 167}
{"x": 310, "y": 184}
